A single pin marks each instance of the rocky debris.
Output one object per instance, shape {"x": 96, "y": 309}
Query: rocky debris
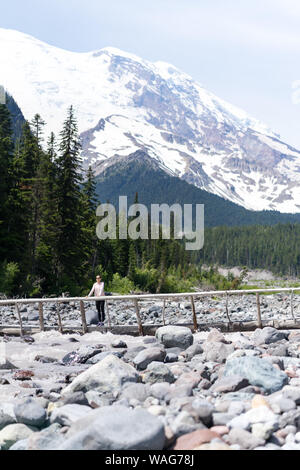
{"x": 117, "y": 427}
{"x": 246, "y": 394}
{"x": 175, "y": 337}
{"x": 258, "y": 372}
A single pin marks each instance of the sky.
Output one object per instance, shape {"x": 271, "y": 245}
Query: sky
{"x": 246, "y": 52}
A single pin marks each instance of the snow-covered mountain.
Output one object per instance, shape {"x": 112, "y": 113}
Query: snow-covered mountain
{"x": 125, "y": 103}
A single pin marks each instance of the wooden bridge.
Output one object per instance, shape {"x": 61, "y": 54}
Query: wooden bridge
{"x": 142, "y": 329}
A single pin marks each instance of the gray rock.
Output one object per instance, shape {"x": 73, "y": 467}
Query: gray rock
{"x": 138, "y": 391}
{"x": 33, "y": 316}
{"x": 14, "y": 433}
{"x": 145, "y": 357}
{"x": 222, "y": 419}
{"x": 184, "y": 423}
{"x": 20, "y": 445}
{"x": 267, "y": 335}
{"x": 7, "y": 414}
{"x": 215, "y": 336}
{"x": 293, "y": 393}
{"x": 171, "y": 357}
{"x": 192, "y": 351}
{"x": 116, "y": 428}
{"x": 158, "y": 372}
{"x": 240, "y": 422}
{"x": 76, "y": 398}
{"x": 244, "y": 439}
{"x": 5, "y": 364}
{"x": 29, "y": 412}
{"x": 258, "y": 371}
{"x": 175, "y": 336}
{"x": 107, "y": 376}
{"x": 203, "y": 411}
{"x": 92, "y": 317}
{"x": 231, "y": 383}
{"x": 119, "y": 344}
{"x": 290, "y": 418}
{"x": 68, "y": 414}
{"x": 217, "y": 352}
{"x": 99, "y": 357}
{"x": 48, "y": 439}
{"x": 160, "y": 390}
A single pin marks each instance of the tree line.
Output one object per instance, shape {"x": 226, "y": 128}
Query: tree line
{"x": 48, "y": 242}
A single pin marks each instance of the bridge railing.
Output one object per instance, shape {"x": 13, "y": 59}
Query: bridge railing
{"x": 136, "y": 298}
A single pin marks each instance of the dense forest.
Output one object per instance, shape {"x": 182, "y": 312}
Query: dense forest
{"x": 275, "y": 248}
{"x": 48, "y": 242}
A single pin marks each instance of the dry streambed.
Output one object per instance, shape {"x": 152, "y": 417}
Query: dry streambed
{"x": 173, "y": 391}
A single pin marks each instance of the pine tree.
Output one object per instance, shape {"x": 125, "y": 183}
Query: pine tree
{"x": 70, "y": 211}
{"x": 6, "y": 153}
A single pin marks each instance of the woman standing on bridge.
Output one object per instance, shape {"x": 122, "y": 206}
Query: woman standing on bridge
{"x": 98, "y": 291}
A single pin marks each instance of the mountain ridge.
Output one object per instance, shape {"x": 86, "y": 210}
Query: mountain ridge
{"x": 156, "y": 108}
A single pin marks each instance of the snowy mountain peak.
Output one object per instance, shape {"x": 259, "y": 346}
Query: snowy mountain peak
{"x": 125, "y": 103}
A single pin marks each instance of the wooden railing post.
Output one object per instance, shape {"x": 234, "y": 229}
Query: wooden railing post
{"x": 20, "y": 319}
{"x": 60, "y": 327}
{"x": 259, "y": 322}
{"x": 137, "y": 312}
{"x": 108, "y": 315}
{"x": 292, "y": 306}
{"x": 194, "y": 315}
{"x": 83, "y": 317}
{"x": 163, "y": 313}
{"x": 41, "y": 316}
{"x": 227, "y": 309}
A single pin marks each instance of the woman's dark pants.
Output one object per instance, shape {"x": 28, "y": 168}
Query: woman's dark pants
{"x": 100, "y": 309}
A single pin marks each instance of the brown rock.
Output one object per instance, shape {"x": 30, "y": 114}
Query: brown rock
{"x": 195, "y": 439}
{"x": 190, "y": 378}
{"x": 23, "y": 375}
{"x": 221, "y": 430}
{"x": 213, "y": 446}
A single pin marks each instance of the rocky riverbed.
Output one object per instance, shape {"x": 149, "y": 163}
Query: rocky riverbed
{"x": 209, "y": 310}
{"x": 177, "y": 390}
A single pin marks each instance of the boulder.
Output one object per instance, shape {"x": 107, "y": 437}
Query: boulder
{"x": 217, "y": 352}
{"x": 258, "y": 371}
{"x": 107, "y": 376}
{"x": 14, "y": 433}
{"x": 68, "y": 414}
{"x": 92, "y": 317}
{"x": 175, "y": 336}
{"x": 231, "y": 383}
{"x": 145, "y": 357}
{"x": 29, "y": 412}
{"x": 116, "y": 428}
{"x": 158, "y": 372}
{"x": 267, "y": 335}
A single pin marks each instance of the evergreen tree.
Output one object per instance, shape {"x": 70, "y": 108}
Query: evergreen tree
{"x": 70, "y": 249}
{"x": 6, "y": 153}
